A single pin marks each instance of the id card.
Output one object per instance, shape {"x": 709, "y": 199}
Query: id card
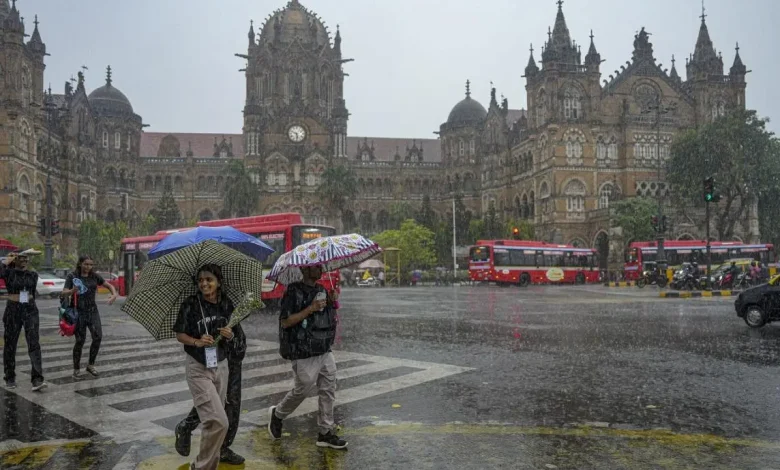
{"x": 211, "y": 358}
{"x": 24, "y": 297}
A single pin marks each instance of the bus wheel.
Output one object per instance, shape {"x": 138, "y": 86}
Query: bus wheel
{"x": 525, "y": 279}
{"x": 580, "y": 279}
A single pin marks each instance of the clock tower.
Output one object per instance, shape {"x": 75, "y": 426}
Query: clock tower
{"x": 295, "y": 118}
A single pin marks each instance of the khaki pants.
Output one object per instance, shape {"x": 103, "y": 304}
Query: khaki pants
{"x": 208, "y": 388}
{"x": 319, "y": 371}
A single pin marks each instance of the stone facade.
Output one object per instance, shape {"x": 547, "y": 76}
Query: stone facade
{"x": 581, "y": 143}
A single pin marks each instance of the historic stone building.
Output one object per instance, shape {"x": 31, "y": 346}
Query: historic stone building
{"x": 582, "y": 143}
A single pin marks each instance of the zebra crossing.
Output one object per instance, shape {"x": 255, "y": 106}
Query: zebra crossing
{"x": 141, "y": 392}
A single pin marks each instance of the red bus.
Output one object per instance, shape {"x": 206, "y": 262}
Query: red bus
{"x": 282, "y": 232}
{"x": 641, "y": 256}
{"x": 531, "y": 262}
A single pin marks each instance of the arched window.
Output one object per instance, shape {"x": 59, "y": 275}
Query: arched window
{"x": 461, "y": 148}
{"x": 25, "y": 137}
{"x": 24, "y": 198}
{"x": 575, "y": 197}
{"x": 574, "y": 143}
{"x": 572, "y": 105}
{"x": 117, "y": 140}
{"x": 612, "y": 151}
{"x": 148, "y": 183}
{"x": 718, "y": 109}
{"x": 531, "y": 205}
{"x": 472, "y": 147}
{"x": 541, "y": 108}
{"x": 525, "y": 210}
{"x": 129, "y": 141}
{"x": 605, "y": 194}
{"x": 105, "y": 139}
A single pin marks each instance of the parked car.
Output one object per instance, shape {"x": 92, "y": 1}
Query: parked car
{"x": 761, "y": 304}
{"x": 50, "y": 284}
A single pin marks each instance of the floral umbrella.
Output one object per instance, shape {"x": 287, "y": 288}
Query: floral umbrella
{"x": 332, "y": 253}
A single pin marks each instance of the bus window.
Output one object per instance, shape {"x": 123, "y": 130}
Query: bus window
{"x": 631, "y": 255}
{"x": 276, "y": 241}
{"x": 479, "y": 254}
{"x": 303, "y": 235}
{"x": 501, "y": 258}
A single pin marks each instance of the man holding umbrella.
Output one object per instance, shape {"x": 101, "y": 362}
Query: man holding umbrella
{"x": 307, "y": 328}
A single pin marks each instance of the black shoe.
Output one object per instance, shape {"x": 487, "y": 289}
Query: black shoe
{"x": 183, "y": 440}
{"x": 331, "y": 440}
{"x": 274, "y": 424}
{"x": 231, "y": 458}
{"x": 10, "y": 384}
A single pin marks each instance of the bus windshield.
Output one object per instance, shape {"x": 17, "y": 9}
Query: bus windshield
{"x": 305, "y": 234}
{"x": 479, "y": 254}
{"x": 276, "y": 241}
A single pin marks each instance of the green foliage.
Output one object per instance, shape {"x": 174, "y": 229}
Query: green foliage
{"x": 241, "y": 196}
{"x": 166, "y": 213}
{"x": 339, "y": 186}
{"x": 145, "y": 226}
{"x": 26, "y": 241}
{"x": 442, "y": 243}
{"x": 400, "y": 211}
{"x": 738, "y": 152}
{"x": 416, "y": 243}
{"x": 477, "y": 231}
{"x": 102, "y": 241}
{"x": 635, "y": 215}
{"x": 768, "y": 201}
{"x": 462, "y": 220}
{"x": 426, "y": 216}
{"x": 526, "y": 228}
{"x": 493, "y": 228}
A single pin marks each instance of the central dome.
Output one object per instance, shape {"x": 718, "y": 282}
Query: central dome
{"x": 108, "y": 100}
{"x": 294, "y": 22}
{"x": 468, "y": 111}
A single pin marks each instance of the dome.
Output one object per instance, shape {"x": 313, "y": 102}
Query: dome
{"x": 294, "y": 22}
{"x": 109, "y": 100}
{"x": 468, "y": 111}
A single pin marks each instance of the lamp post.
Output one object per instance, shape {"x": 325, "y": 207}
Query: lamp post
{"x": 660, "y": 109}
{"x": 50, "y": 108}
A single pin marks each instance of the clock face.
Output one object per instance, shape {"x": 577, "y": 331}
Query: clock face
{"x": 296, "y": 133}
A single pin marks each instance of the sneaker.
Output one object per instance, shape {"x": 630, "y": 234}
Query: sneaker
{"x": 10, "y": 384}
{"x": 76, "y": 374}
{"x": 331, "y": 440}
{"x": 91, "y": 369}
{"x": 183, "y": 440}
{"x": 231, "y": 458}
{"x": 39, "y": 385}
{"x": 274, "y": 424}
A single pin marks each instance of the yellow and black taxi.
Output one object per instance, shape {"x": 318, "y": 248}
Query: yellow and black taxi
{"x": 761, "y": 304}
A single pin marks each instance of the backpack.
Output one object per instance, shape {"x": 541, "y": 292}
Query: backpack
{"x": 69, "y": 316}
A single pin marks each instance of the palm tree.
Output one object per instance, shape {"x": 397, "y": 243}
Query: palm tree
{"x": 338, "y": 187}
{"x": 241, "y": 194}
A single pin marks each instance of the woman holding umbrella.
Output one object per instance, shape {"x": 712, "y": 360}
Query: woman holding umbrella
{"x": 202, "y": 317}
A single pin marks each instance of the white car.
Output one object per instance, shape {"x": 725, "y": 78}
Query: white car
{"x": 49, "y": 284}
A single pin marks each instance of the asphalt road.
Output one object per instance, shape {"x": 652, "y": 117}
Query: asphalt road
{"x": 457, "y": 377}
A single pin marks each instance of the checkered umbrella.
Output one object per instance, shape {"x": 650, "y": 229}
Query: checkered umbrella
{"x": 165, "y": 282}
{"x": 332, "y": 253}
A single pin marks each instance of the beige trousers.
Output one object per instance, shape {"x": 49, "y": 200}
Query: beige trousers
{"x": 208, "y": 388}
{"x": 318, "y": 372}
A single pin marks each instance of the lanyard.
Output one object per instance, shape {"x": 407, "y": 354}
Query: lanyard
{"x": 205, "y": 327}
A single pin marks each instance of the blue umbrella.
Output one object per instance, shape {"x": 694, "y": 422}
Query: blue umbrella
{"x": 229, "y": 236}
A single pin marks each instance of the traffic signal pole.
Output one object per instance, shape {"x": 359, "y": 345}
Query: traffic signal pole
{"x": 709, "y": 247}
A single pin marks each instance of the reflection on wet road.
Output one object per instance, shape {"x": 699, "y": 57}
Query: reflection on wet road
{"x": 468, "y": 377}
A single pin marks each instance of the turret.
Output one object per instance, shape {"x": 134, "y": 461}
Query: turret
{"x": 531, "y": 69}
{"x": 738, "y": 69}
{"x": 35, "y": 44}
{"x": 593, "y": 58}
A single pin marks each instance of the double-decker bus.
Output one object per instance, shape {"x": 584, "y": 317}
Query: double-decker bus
{"x": 531, "y": 262}
{"x": 641, "y": 256}
{"x": 282, "y": 232}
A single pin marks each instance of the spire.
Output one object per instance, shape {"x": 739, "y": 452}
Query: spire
{"x": 531, "y": 69}
{"x": 560, "y": 34}
{"x": 673, "y": 74}
{"x": 705, "y": 60}
{"x": 559, "y": 47}
{"x": 738, "y": 68}
{"x": 593, "y": 57}
{"x": 36, "y": 44}
{"x": 337, "y": 40}
{"x": 251, "y": 34}
{"x": 468, "y": 88}
{"x": 108, "y": 76}
{"x": 13, "y": 22}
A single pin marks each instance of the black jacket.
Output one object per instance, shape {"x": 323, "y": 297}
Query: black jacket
{"x": 312, "y": 337}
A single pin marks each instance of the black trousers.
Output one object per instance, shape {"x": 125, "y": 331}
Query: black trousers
{"x": 232, "y": 406}
{"x": 16, "y": 317}
{"x": 91, "y": 320}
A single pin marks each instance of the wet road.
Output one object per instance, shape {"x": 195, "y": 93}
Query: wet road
{"x": 467, "y": 377}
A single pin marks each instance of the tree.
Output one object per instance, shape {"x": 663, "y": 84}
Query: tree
{"x": 241, "y": 196}
{"x": 443, "y": 243}
{"x": 768, "y": 205}
{"x": 101, "y": 241}
{"x": 145, "y": 226}
{"x": 166, "y": 213}
{"x": 400, "y": 211}
{"x": 26, "y": 241}
{"x": 426, "y": 216}
{"x": 736, "y": 150}
{"x": 416, "y": 243}
{"x": 462, "y": 219}
{"x": 493, "y": 228}
{"x": 339, "y": 187}
{"x": 525, "y": 228}
{"x": 634, "y": 215}
{"x": 477, "y": 231}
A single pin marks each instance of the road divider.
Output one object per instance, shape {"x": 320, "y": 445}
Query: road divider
{"x": 698, "y": 294}
{"x": 620, "y": 284}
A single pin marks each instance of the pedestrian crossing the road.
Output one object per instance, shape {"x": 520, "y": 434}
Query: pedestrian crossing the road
{"x": 141, "y": 392}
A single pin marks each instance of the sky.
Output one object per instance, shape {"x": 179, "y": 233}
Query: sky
{"x": 174, "y": 59}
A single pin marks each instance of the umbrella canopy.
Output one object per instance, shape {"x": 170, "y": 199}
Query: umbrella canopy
{"x": 372, "y": 264}
{"x": 165, "y": 282}
{"x": 331, "y": 252}
{"x": 227, "y": 235}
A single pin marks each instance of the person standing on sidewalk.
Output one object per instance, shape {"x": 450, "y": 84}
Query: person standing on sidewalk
{"x": 201, "y": 318}
{"x": 84, "y": 281}
{"x": 21, "y": 312}
{"x": 236, "y": 353}
{"x": 307, "y": 329}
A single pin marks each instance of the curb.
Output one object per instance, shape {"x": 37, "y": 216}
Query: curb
{"x": 620, "y": 284}
{"x": 698, "y": 294}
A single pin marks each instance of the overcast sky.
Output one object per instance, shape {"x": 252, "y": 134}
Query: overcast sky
{"x": 174, "y": 58}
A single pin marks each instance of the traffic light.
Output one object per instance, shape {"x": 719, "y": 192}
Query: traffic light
{"x": 663, "y": 224}
{"x": 55, "y": 226}
{"x": 515, "y": 233}
{"x": 654, "y": 222}
{"x": 42, "y": 226}
{"x": 710, "y": 195}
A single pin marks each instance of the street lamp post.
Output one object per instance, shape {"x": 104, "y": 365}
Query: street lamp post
{"x": 48, "y": 264}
